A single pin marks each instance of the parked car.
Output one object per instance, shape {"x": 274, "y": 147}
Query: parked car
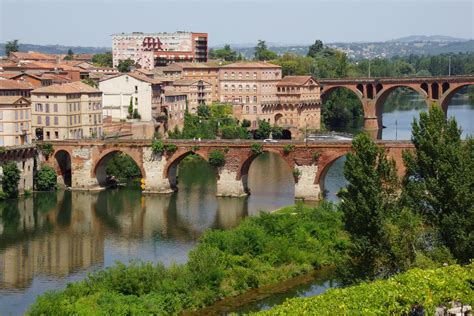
{"x": 269, "y": 140}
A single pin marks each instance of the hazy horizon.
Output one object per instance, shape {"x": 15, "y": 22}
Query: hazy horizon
{"x": 90, "y": 23}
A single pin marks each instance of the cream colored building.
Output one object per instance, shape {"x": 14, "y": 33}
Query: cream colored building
{"x": 15, "y": 121}
{"x": 246, "y": 85}
{"x": 67, "y": 111}
{"x": 118, "y": 91}
{"x": 198, "y": 92}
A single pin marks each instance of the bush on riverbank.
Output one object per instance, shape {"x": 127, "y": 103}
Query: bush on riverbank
{"x": 262, "y": 250}
{"x": 46, "y": 179}
{"x": 395, "y": 296}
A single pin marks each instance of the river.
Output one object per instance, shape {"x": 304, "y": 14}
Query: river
{"x": 50, "y": 239}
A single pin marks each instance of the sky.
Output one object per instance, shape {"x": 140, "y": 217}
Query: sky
{"x": 91, "y": 22}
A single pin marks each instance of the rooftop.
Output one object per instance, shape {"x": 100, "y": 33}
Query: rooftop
{"x": 65, "y": 88}
{"x": 10, "y": 99}
{"x": 295, "y": 80}
{"x": 15, "y": 85}
{"x": 251, "y": 64}
{"x": 32, "y": 56}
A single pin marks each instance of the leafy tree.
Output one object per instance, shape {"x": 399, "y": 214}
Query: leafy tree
{"x": 122, "y": 167}
{"x": 262, "y": 52}
{"x": 103, "y": 60}
{"x": 70, "y": 55}
{"x": 203, "y": 111}
{"x": 246, "y": 123}
{"x": 439, "y": 180}
{"x": 225, "y": 53}
{"x": 315, "y": 49}
{"x": 264, "y": 129}
{"x": 11, "y": 178}
{"x": 11, "y": 46}
{"x": 341, "y": 110}
{"x": 370, "y": 196}
{"x": 46, "y": 179}
{"x": 277, "y": 132}
{"x": 216, "y": 158}
{"x": 125, "y": 65}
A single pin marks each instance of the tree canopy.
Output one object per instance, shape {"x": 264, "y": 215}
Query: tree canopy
{"x": 11, "y": 46}
{"x": 262, "y": 53}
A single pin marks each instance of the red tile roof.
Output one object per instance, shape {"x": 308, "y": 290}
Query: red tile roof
{"x": 15, "y": 85}
{"x": 65, "y": 88}
{"x": 251, "y": 64}
{"x": 32, "y": 56}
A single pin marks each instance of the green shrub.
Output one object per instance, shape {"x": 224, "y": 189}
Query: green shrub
{"x": 296, "y": 174}
{"x": 46, "y": 149}
{"x": 11, "y": 178}
{"x": 315, "y": 156}
{"x": 171, "y": 148}
{"x": 288, "y": 149}
{"x": 395, "y": 296}
{"x": 2, "y": 149}
{"x": 256, "y": 148}
{"x": 46, "y": 179}
{"x": 216, "y": 158}
{"x": 157, "y": 147}
{"x": 195, "y": 147}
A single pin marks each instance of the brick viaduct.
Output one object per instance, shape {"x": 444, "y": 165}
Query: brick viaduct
{"x": 373, "y": 92}
{"x": 81, "y": 164}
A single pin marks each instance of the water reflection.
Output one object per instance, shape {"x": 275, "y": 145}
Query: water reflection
{"x": 49, "y": 239}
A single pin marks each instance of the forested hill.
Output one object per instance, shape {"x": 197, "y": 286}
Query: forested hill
{"x": 57, "y": 49}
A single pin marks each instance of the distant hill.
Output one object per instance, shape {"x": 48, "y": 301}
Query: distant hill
{"x": 57, "y": 49}
{"x": 424, "y": 38}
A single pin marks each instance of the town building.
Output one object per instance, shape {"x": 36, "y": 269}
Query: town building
{"x": 246, "y": 85}
{"x": 123, "y": 90}
{"x": 172, "y": 109}
{"x": 198, "y": 92}
{"x": 159, "y": 49}
{"x": 15, "y": 88}
{"x": 15, "y": 121}
{"x": 66, "y": 111}
{"x": 296, "y": 106}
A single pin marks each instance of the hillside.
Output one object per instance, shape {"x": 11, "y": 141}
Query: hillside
{"x": 56, "y": 49}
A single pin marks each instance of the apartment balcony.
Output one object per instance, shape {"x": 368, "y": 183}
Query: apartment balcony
{"x": 290, "y": 101}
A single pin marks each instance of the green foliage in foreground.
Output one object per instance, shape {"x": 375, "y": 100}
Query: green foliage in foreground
{"x": 394, "y": 296}
{"x": 46, "y": 179}
{"x": 11, "y": 178}
{"x": 262, "y": 250}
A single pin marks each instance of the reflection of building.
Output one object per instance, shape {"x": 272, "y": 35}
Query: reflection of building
{"x": 158, "y": 49}
{"x": 75, "y": 242}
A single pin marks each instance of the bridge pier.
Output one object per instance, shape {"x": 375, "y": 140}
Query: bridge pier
{"x": 154, "y": 166}
{"x": 229, "y": 185}
{"x": 305, "y": 186}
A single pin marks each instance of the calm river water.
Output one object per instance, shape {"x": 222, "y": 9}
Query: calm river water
{"x": 49, "y": 239}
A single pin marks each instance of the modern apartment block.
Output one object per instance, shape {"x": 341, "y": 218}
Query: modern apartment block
{"x": 15, "y": 121}
{"x": 66, "y": 111}
{"x": 247, "y": 85}
{"x": 159, "y": 49}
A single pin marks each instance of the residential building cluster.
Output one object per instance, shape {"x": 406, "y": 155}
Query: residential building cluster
{"x": 43, "y": 96}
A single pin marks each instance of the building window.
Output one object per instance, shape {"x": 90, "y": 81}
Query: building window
{"x": 254, "y": 76}
{"x": 47, "y": 107}
{"x": 233, "y": 88}
{"x": 247, "y": 99}
{"x": 240, "y": 75}
{"x": 48, "y": 136}
{"x": 240, "y": 88}
{"x": 254, "y": 88}
{"x": 56, "y": 134}
{"x": 247, "y": 75}
{"x": 136, "y": 89}
{"x": 55, "y": 107}
{"x": 47, "y": 120}
{"x": 226, "y": 88}
{"x": 27, "y": 114}
{"x": 254, "y": 99}
{"x": 254, "y": 109}
{"x": 247, "y": 109}
{"x": 1, "y": 127}
{"x": 247, "y": 88}
{"x": 232, "y": 76}
{"x": 225, "y": 75}
{"x": 16, "y": 114}
{"x": 55, "y": 120}
{"x": 136, "y": 101}
{"x": 39, "y": 120}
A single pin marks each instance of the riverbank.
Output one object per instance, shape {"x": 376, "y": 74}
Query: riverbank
{"x": 261, "y": 251}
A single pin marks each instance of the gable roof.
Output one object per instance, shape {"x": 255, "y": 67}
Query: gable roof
{"x": 12, "y": 99}
{"x": 295, "y": 80}
{"x": 32, "y": 56}
{"x": 65, "y": 88}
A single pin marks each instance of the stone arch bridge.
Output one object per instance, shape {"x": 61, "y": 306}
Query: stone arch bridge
{"x": 373, "y": 92}
{"x": 80, "y": 164}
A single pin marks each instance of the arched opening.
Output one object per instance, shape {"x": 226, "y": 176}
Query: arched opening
{"x": 332, "y": 179}
{"x": 370, "y": 91}
{"x": 278, "y": 119}
{"x": 116, "y": 168}
{"x": 192, "y": 173}
{"x": 269, "y": 180}
{"x": 395, "y": 109}
{"x": 459, "y": 104}
{"x": 63, "y": 159}
{"x": 342, "y": 110}
{"x": 39, "y": 133}
{"x": 286, "y": 134}
{"x": 435, "y": 91}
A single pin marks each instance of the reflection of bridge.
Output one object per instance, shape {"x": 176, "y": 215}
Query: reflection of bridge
{"x": 373, "y": 92}
{"x": 86, "y": 160}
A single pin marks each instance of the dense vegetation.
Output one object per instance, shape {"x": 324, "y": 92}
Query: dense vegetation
{"x": 122, "y": 167}
{"x": 11, "y": 178}
{"x": 262, "y": 250}
{"x": 395, "y": 296}
{"x": 46, "y": 179}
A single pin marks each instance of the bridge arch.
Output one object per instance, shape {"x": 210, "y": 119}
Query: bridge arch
{"x": 325, "y": 162}
{"x": 99, "y": 171}
{"x": 171, "y": 168}
{"x": 354, "y": 90}
{"x": 449, "y": 94}
{"x": 243, "y": 169}
{"x": 63, "y": 166}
